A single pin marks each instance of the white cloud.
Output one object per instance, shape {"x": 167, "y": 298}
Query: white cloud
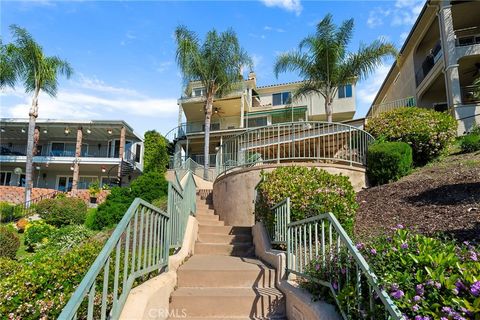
{"x": 367, "y": 89}
{"x": 289, "y": 5}
{"x": 403, "y": 13}
{"x": 403, "y": 36}
{"x": 268, "y": 28}
{"x": 163, "y": 66}
{"x": 99, "y": 85}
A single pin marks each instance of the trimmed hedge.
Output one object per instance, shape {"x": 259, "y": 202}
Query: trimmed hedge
{"x": 470, "y": 143}
{"x": 62, "y": 211}
{"x": 311, "y": 191}
{"x": 9, "y": 242}
{"x": 428, "y": 132}
{"x": 9, "y": 212}
{"x": 36, "y": 233}
{"x": 388, "y": 161}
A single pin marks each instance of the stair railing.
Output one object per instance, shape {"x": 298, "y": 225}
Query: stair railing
{"x": 319, "y": 245}
{"x": 139, "y": 245}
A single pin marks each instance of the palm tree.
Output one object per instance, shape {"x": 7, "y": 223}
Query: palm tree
{"x": 38, "y": 73}
{"x": 324, "y": 63}
{"x": 8, "y": 76}
{"x": 217, "y": 64}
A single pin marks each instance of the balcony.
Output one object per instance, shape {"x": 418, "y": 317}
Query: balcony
{"x": 428, "y": 63}
{"x": 467, "y": 36}
{"x": 469, "y": 95}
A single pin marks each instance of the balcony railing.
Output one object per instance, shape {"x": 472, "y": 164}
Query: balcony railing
{"x": 467, "y": 36}
{"x": 388, "y": 106}
{"x": 470, "y": 94}
{"x": 294, "y": 142}
{"x": 428, "y": 63}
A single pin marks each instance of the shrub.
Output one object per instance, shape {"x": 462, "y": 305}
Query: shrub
{"x": 40, "y": 286}
{"x": 9, "y": 212}
{"x": 90, "y": 218}
{"x": 66, "y": 238}
{"x": 21, "y": 225}
{"x": 428, "y": 132}
{"x": 37, "y": 233}
{"x": 388, "y": 162}
{"x": 311, "y": 191}
{"x": 149, "y": 186}
{"x": 161, "y": 203}
{"x": 9, "y": 242}
{"x": 62, "y": 211}
{"x": 470, "y": 142}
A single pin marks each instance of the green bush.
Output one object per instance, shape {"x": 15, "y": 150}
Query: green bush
{"x": 388, "y": 162}
{"x": 9, "y": 212}
{"x": 470, "y": 142}
{"x": 311, "y": 191}
{"x": 9, "y": 242}
{"x": 37, "y": 233}
{"x": 149, "y": 186}
{"x": 428, "y": 132}
{"x": 67, "y": 238}
{"x": 161, "y": 203}
{"x": 90, "y": 218}
{"x": 62, "y": 211}
{"x": 40, "y": 286}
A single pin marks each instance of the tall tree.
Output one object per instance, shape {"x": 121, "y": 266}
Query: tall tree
{"x": 38, "y": 72}
{"x": 8, "y": 77}
{"x": 217, "y": 64}
{"x": 155, "y": 156}
{"x": 324, "y": 63}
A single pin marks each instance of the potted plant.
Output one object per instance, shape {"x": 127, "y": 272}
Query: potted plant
{"x": 94, "y": 190}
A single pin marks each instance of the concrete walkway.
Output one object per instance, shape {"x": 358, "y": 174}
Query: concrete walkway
{"x": 223, "y": 280}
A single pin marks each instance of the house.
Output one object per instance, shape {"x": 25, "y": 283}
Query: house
{"x": 110, "y": 152}
{"x": 438, "y": 64}
{"x": 249, "y": 106}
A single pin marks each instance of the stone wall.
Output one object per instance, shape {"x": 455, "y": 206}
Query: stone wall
{"x": 16, "y": 195}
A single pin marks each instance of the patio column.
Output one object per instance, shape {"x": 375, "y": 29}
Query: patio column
{"x": 76, "y": 165}
{"x": 121, "y": 150}
{"x": 242, "y": 109}
{"x": 447, "y": 34}
{"x": 180, "y": 111}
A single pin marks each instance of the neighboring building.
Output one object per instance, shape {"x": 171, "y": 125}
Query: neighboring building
{"x": 249, "y": 106}
{"x": 111, "y": 152}
{"x": 438, "y": 63}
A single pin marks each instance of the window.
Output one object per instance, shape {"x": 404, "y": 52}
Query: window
{"x": 281, "y": 98}
{"x": 65, "y": 149}
{"x": 256, "y": 122}
{"x": 345, "y": 91}
{"x": 65, "y": 184}
{"x": 198, "y": 92}
{"x": 5, "y": 178}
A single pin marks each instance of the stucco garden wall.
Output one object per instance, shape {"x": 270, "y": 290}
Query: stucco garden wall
{"x": 234, "y": 193}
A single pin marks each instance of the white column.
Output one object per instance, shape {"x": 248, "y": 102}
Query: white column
{"x": 180, "y": 114}
{"x": 242, "y": 109}
{"x": 447, "y": 34}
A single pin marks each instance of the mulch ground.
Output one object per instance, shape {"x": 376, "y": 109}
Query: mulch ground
{"x": 440, "y": 198}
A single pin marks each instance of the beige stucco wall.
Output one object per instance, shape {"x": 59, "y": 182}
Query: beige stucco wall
{"x": 238, "y": 211}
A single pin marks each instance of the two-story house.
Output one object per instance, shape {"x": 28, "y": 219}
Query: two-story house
{"x": 438, "y": 64}
{"x": 110, "y": 153}
{"x": 249, "y": 106}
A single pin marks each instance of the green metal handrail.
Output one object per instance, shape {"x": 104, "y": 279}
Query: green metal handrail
{"x": 320, "y": 243}
{"x": 277, "y": 229}
{"x": 311, "y": 141}
{"x": 142, "y": 239}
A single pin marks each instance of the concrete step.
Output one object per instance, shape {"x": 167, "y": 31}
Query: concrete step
{"x": 207, "y": 216}
{"x": 224, "y": 230}
{"x": 242, "y": 249}
{"x": 228, "y": 302}
{"x": 274, "y": 317}
{"x": 225, "y": 271}
{"x": 224, "y": 238}
{"x": 214, "y": 223}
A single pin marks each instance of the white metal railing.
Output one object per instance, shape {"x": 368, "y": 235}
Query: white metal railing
{"x": 391, "y": 105}
{"x": 294, "y": 142}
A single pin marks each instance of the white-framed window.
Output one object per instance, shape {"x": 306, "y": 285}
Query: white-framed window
{"x": 281, "y": 98}
{"x": 198, "y": 92}
{"x": 64, "y": 183}
{"x": 66, "y": 149}
{"x": 5, "y": 178}
{"x": 345, "y": 91}
{"x": 256, "y": 122}
{"x": 114, "y": 147}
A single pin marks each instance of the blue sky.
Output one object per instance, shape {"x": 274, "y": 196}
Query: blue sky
{"x": 123, "y": 53}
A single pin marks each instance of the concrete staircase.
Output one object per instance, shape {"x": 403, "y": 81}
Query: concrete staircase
{"x": 223, "y": 279}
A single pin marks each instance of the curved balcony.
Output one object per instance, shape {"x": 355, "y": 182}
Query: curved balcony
{"x": 317, "y": 142}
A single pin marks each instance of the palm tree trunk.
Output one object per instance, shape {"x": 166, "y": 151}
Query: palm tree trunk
{"x": 329, "y": 109}
{"x": 33, "y": 114}
{"x": 206, "y": 150}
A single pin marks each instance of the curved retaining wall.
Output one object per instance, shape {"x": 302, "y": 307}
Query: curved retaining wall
{"x": 234, "y": 193}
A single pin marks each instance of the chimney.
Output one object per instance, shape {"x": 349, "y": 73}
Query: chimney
{"x": 252, "y": 76}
